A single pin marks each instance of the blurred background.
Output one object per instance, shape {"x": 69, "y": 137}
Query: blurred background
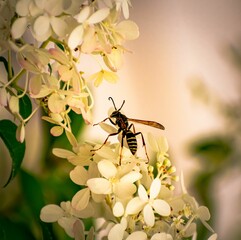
{"x": 184, "y": 72}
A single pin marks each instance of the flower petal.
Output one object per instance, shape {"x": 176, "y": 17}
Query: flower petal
{"x": 76, "y": 37}
{"x": 22, "y": 7}
{"x": 149, "y": 215}
{"x": 79, "y": 175}
{"x": 59, "y": 26}
{"x": 124, "y": 189}
{"x": 81, "y": 199}
{"x": 142, "y": 193}
{"x": 116, "y": 232}
{"x": 164, "y": 236}
{"x": 155, "y": 188}
{"x": 18, "y": 28}
{"x": 62, "y": 153}
{"x": 161, "y": 207}
{"x": 35, "y": 84}
{"x": 67, "y": 223}
{"x": 41, "y": 25}
{"x": 98, "y": 16}
{"x": 134, "y": 206}
{"x": 213, "y": 236}
{"x": 83, "y": 15}
{"x": 203, "y": 213}
{"x": 128, "y": 30}
{"x": 137, "y": 235}
{"x": 56, "y": 131}
{"x": 118, "y": 209}
{"x": 131, "y": 177}
{"x": 107, "y": 169}
{"x": 14, "y": 104}
{"x": 51, "y": 213}
{"x": 99, "y": 186}
{"x": 56, "y": 104}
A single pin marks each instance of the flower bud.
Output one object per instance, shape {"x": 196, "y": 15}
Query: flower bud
{"x": 14, "y": 104}
{"x": 20, "y": 133}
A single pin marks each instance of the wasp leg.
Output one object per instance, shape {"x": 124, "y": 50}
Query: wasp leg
{"x": 122, "y": 144}
{"x": 110, "y": 135}
{"x": 101, "y": 121}
{"x": 143, "y": 143}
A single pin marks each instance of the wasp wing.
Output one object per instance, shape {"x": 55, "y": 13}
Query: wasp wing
{"x": 149, "y": 123}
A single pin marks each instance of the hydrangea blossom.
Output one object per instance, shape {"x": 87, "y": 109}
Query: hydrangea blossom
{"x": 138, "y": 202}
{"x": 49, "y": 38}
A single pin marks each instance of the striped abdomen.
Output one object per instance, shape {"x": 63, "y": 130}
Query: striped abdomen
{"x": 131, "y": 141}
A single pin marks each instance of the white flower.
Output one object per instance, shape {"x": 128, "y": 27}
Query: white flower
{"x": 85, "y": 18}
{"x": 113, "y": 181}
{"x": 63, "y": 214}
{"x": 43, "y": 16}
{"x": 159, "y": 146}
{"x": 124, "y": 5}
{"x": 149, "y": 204}
{"x": 118, "y": 230}
{"x": 79, "y": 175}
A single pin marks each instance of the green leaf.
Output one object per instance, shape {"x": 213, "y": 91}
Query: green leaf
{"x": 5, "y": 63}
{"x": 33, "y": 195}
{"x": 15, "y": 148}
{"x": 32, "y": 192}
{"x": 14, "y": 230}
{"x": 213, "y": 150}
{"x": 25, "y": 106}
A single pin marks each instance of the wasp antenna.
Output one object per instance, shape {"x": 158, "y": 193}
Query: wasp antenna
{"x": 121, "y": 105}
{"x": 110, "y": 98}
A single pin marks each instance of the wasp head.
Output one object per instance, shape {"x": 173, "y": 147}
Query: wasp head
{"x": 115, "y": 114}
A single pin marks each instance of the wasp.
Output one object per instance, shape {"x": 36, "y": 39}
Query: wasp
{"x": 124, "y": 127}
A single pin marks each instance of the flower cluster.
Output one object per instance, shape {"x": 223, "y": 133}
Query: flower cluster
{"x": 136, "y": 199}
{"x": 51, "y": 39}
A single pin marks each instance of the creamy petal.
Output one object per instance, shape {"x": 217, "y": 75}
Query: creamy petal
{"x": 76, "y": 37}
{"x": 116, "y": 232}
{"x": 41, "y": 25}
{"x": 134, "y": 206}
{"x": 128, "y": 30}
{"x": 155, "y": 188}
{"x": 118, "y": 209}
{"x": 142, "y": 193}
{"x": 107, "y": 169}
{"x": 81, "y": 199}
{"x": 203, "y": 213}
{"x": 99, "y": 186}
{"x": 131, "y": 177}
{"x": 149, "y": 215}
{"x": 137, "y": 235}
{"x": 59, "y": 26}
{"x": 18, "y": 28}
{"x": 98, "y": 16}
{"x": 161, "y": 207}
{"x": 124, "y": 189}
{"x": 79, "y": 175}
{"x": 51, "y": 213}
